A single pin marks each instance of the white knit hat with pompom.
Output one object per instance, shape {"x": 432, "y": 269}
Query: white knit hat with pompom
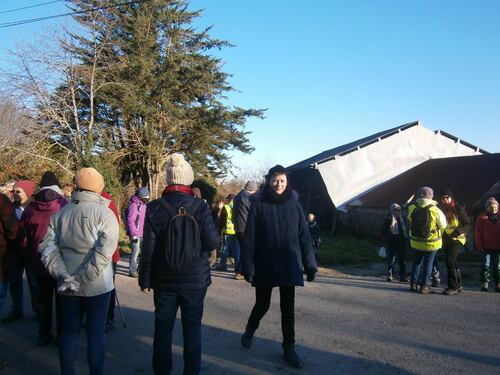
{"x": 179, "y": 172}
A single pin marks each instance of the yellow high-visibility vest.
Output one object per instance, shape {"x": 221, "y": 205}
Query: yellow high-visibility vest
{"x": 452, "y": 225}
{"x": 229, "y": 225}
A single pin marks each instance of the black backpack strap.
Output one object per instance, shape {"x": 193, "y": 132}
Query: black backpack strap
{"x": 169, "y": 208}
{"x": 194, "y": 206}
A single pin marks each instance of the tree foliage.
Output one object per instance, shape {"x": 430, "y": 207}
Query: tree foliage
{"x": 134, "y": 84}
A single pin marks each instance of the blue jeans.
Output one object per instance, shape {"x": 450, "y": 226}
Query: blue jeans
{"x": 166, "y": 305}
{"x": 23, "y": 263}
{"x": 425, "y": 258}
{"x": 230, "y": 245}
{"x": 4, "y": 287}
{"x": 95, "y": 310}
{"x": 136, "y": 249}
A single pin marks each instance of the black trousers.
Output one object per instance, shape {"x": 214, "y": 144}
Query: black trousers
{"x": 451, "y": 249}
{"x": 47, "y": 291}
{"x": 287, "y": 306}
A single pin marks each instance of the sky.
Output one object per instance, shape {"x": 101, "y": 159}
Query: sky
{"x": 332, "y": 71}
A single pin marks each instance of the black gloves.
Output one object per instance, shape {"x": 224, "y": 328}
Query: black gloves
{"x": 455, "y": 234}
{"x": 310, "y": 276}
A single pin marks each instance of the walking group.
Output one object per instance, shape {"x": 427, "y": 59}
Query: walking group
{"x": 432, "y": 226}
{"x": 67, "y": 244}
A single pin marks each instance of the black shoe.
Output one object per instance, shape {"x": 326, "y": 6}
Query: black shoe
{"x": 450, "y": 292}
{"x": 12, "y": 316}
{"x": 425, "y": 290}
{"x": 44, "y": 340}
{"x": 389, "y": 278}
{"x": 247, "y": 338}
{"x": 135, "y": 275}
{"x": 413, "y": 287}
{"x": 293, "y": 359}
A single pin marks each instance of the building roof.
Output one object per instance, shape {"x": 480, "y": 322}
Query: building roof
{"x": 468, "y": 177}
{"x": 363, "y": 142}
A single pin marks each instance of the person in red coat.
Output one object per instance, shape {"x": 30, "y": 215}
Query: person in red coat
{"x": 35, "y": 221}
{"x": 487, "y": 236}
{"x": 110, "y": 323}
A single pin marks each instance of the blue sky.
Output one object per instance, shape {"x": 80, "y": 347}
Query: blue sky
{"x": 331, "y": 72}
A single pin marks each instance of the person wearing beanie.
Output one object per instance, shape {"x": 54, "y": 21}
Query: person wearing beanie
{"x": 241, "y": 207}
{"x": 79, "y": 256}
{"x": 173, "y": 284}
{"x": 454, "y": 238}
{"x": 135, "y": 214}
{"x": 35, "y": 219}
{"x": 277, "y": 251}
{"x": 426, "y": 224}
{"x": 21, "y": 261}
{"x": 487, "y": 239}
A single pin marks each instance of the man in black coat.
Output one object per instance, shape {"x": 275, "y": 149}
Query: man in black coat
{"x": 241, "y": 207}
{"x": 186, "y": 288}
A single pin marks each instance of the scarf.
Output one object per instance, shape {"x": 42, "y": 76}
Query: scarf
{"x": 270, "y": 196}
{"x": 180, "y": 188}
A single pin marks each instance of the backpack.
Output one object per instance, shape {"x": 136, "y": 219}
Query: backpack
{"x": 182, "y": 237}
{"x": 421, "y": 222}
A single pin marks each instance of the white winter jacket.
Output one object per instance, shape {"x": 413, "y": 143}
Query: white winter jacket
{"x": 80, "y": 241}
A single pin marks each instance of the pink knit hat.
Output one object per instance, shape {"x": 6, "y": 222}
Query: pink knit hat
{"x": 27, "y": 185}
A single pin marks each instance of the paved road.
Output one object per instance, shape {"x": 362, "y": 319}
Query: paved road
{"x": 344, "y": 325}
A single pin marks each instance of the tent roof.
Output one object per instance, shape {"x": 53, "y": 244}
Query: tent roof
{"x": 363, "y": 142}
{"x": 468, "y": 177}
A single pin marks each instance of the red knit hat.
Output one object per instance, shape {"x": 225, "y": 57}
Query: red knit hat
{"x": 27, "y": 185}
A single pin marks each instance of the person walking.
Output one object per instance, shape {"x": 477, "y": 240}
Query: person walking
{"x": 230, "y": 244}
{"x": 136, "y": 212}
{"x": 21, "y": 261}
{"x": 35, "y": 219}
{"x": 454, "y": 237}
{"x": 315, "y": 232}
{"x": 77, "y": 250}
{"x": 426, "y": 222}
{"x": 174, "y": 263}
{"x": 487, "y": 238}
{"x": 9, "y": 228}
{"x": 241, "y": 207}
{"x": 276, "y": 252}
{"x": 396, "y": 234}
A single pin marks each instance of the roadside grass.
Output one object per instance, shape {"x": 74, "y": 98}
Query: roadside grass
{"x": 347, "y": 250}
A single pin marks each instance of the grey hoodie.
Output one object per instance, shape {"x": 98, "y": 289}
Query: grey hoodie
{"x": 80, "y": 241}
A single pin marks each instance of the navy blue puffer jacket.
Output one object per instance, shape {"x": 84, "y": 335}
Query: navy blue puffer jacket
{"x": 277, "y": 246}
{"x": 152, "y": 272}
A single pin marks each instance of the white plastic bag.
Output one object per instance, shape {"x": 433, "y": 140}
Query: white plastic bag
{"x": 381, "y": 252}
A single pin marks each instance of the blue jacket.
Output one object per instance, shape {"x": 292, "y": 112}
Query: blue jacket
{"x": 152, "y": 272}
{"x": 277, "y": 246}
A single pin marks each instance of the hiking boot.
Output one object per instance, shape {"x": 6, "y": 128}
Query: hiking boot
{"x": 425, "y": 290}
{"x": 291, "y": 356}
{"x": 484, "y": 287}
{"x": 239, "y": 276}
{"x": 45, "y": 339}
{"x": 413, "y": 287}
{"x": 135, "y": 275}
{"x": 460, "y": 289}
{"x": 247, "y": 338}
{"x": 12, "y": 316}
{"x": 389, "y": 278}
{"x": 450, "y": 292}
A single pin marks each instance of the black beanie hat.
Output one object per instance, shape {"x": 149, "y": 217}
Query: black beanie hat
{"x": 49, "y": 179}
{"x": 279, "y": 169}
